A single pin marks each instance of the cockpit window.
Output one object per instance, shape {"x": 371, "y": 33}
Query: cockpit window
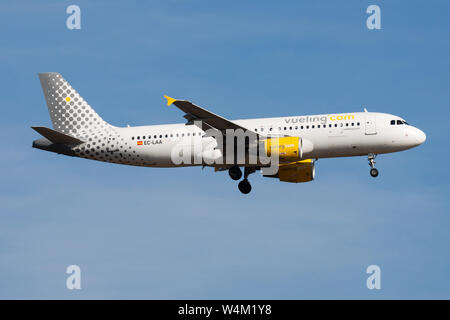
{"x": 399, "y": 122}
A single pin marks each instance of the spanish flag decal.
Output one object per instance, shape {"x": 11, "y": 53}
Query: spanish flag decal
{"x": 139, "y": 143}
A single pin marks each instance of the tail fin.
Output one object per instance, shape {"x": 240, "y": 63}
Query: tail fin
{"x": 69, "y": 112}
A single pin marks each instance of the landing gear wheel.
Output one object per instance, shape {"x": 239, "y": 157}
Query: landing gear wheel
{"x": 245, "y": 186}
{"x": 374, "y": 172}
{"x": 235, "y": 173}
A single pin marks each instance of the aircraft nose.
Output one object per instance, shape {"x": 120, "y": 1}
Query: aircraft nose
{"x": 418, "y": 136}
{"x": 421, "y": 136}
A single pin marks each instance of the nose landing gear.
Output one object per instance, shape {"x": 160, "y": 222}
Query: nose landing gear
{"x": 373, "y": 170}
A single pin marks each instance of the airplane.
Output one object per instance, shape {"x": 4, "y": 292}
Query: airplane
{"x": 291, "y": 144}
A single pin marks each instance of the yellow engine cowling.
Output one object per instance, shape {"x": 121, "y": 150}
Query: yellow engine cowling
{"x": 297, "y": 171}
{"x": 287, "y": 148}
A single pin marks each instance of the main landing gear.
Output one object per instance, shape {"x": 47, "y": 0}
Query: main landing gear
{"x": 373, "y": 170}
{"x": 236, "y": 173}
{"x": 245, "y": 186}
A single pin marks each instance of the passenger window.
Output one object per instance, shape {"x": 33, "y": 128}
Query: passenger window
{"x": 335, "y": 125}
{"x": 166, "y": 135}
{"x": 296, "y": 128}
{"x": 392, "y": 122}
{"x": 160, "y": 135}
{"x": 301, "y": 127}
{"x": 138, "y": 138}
{"x": 285, "y": 128}
{"x": 318, "y": 126}
{"x": 346, "y": 124}
{"x": 154, "y": 137}
{"x": 132, "y": 138}
{"x": 256, "y": 130}
{"x": 307, "y": 127}
{"x": 290, "y": 128}
{"x": 270, "y": 129}
{"x": 358, "y": 123}
{"x": 143, "y": 137}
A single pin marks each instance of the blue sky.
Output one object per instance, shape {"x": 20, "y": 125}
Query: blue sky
{"x": 188, "y": 233}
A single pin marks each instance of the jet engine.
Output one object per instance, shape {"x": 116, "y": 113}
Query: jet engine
{"x": 297, "y": 171}
{"x": 287, "y": 148}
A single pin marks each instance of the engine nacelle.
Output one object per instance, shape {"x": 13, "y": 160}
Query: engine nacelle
{"x": 298, "y": 171}
{"x": 288, "y": 149}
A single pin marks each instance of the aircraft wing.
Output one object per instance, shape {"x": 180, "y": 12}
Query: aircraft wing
{"x": 205, "y": 117}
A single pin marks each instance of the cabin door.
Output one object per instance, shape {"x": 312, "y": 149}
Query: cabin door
{"x": 370, "y": 123}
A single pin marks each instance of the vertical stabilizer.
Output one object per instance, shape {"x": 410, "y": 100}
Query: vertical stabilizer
{"x": 69, "y": 112}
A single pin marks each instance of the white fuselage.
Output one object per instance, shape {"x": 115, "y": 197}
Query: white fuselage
{"x": 331, "y": 135}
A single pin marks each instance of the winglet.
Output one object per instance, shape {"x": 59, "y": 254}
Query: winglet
{"x": 170, "y": 100}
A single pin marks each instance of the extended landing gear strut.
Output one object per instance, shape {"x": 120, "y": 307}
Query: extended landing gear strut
{"x": 236, "y": 173}
{"x": 373, "y": 170}
{"x": 244, "y": 186}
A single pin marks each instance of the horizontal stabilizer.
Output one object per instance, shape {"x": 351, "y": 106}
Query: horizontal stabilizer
{"x": 57, "y": 137}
